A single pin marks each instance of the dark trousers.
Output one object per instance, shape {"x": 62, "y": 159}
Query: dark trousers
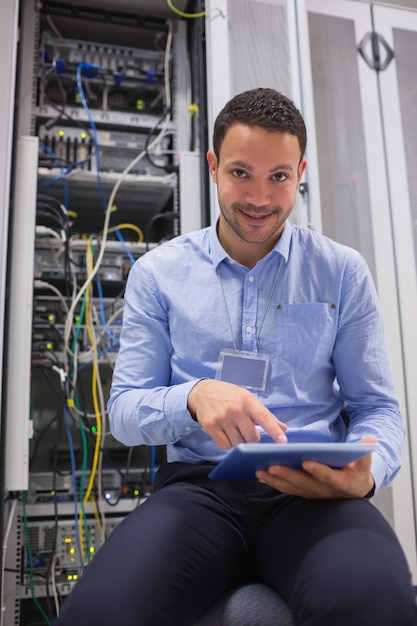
{"x": 335, "y": 562}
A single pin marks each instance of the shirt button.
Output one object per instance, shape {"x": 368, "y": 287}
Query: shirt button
{"x": 248, "y": 329}
{"x": 251, "y": 279}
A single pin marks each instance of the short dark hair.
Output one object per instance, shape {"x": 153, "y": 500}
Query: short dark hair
{"x": 263, "y": 107}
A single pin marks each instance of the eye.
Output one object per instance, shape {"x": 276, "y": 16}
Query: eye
{"x": 280, "y": 177}
{"x": 239, "y": 173}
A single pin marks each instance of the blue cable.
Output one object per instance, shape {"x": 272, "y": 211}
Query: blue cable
{"x": 51, "y": 181}
{"x": 64, "y": 172}
{"x": 88, "y": 67}
{"x": 51, "y": 153}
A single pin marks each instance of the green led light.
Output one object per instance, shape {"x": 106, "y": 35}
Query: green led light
{"x": 94, "y": 429}
{"x": 48, "y": 346}
{"x": 139, "y": 105}
{"x": 51, "y": 318}
{"x": 136, "y": 492}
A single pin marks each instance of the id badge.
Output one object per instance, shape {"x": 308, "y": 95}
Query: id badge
{"x": 246, "y": 369}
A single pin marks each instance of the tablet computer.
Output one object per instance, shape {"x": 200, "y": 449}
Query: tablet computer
{"x": 242, "y": 461}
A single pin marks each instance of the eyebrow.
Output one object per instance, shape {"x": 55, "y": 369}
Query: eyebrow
{"x": 246, "y": 166}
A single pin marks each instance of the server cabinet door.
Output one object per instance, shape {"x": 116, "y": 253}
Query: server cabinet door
{"x": 398, "y": 86}
{"x": 356, "y": 188}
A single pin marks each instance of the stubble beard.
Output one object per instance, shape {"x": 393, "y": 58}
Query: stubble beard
{"x": 262, "y": 236}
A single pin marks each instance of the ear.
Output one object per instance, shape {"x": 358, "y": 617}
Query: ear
{"x": 212, "y": 163}
{"x": 301, "y": 169}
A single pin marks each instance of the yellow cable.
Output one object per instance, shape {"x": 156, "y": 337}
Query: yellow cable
{"x": 96, "y": 512}
{"x": 132, "y": 227}
{"x": 189, "y": 15}
{"x": 93, "y": 383}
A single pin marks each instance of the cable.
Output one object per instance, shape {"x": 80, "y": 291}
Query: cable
{"x": 30, "y": 561}
{"x": 110, "y": 204}
{"x": 53, "y": 27}
{"x": 131, "y": 165}
{"x": 61, "y": 111}
{"x": 88, "y": 67}
{"x": 73, "y": 469}
{"x": 94, "y": 384}
{"x": 115, "y": 339}
{"x": 166, "y": 167}
{"x": 50, "y": 217}
{"x": 41, "y": 284}
{"x": 46, "y": 205}
{"x": 132, "y": 227}
{"x": 189, "y": 15}
{"x": 64, "y": 172}
{"x": 53, "y": 583}
{"x": 78, "y": 539}
{"x": 169, "y": 215}
{"x": 39, "y": 438}
{"x": 50, "y": 572}
{"x": 72, "y": 401}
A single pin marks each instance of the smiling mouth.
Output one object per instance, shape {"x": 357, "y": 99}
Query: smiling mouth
{"x": 257, "y": 217}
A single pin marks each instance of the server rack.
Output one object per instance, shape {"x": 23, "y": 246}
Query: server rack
{"x": 107, "y": 166}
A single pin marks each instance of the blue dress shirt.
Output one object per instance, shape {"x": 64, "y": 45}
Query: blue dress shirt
{"x": 310, "y": 305}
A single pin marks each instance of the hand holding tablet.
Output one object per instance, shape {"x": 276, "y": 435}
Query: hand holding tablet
{"x": 243, "y": 461}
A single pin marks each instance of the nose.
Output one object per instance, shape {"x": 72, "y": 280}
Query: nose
{"x": 258, "y": 193}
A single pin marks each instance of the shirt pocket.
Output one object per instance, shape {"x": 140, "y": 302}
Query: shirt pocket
{"x": 305, "y": 333}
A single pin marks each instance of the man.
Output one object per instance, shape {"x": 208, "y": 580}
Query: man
{"x": 303, "y": 310}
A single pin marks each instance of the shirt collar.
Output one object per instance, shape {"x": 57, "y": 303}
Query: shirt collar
{"x": 218, "y": 254}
